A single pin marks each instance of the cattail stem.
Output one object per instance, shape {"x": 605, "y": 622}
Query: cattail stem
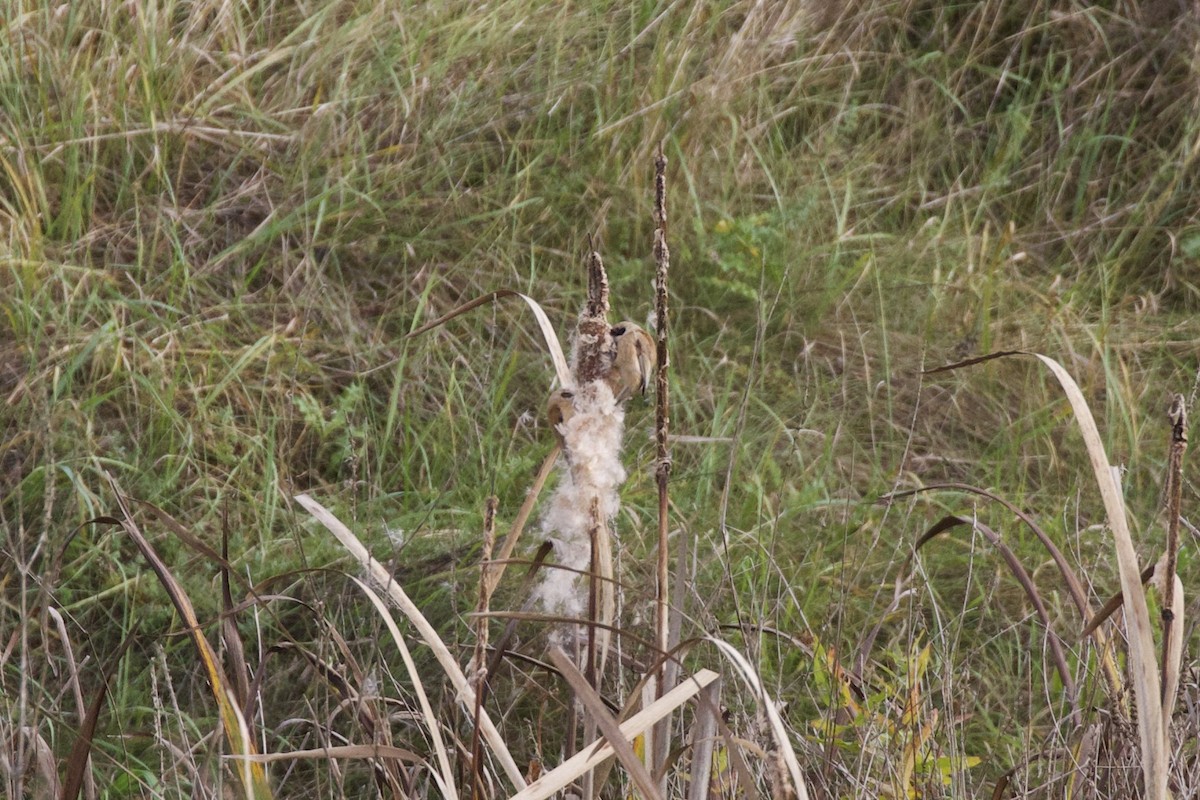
{"x": 662, "y": 473}
{"x": 662, "y": 261}
{"x": 481, "y": 643}
{"x": 1178, "y": 417}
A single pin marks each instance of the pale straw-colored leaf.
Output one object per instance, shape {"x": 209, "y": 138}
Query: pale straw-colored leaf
{"x": 245, "y": 765}
{"x": 588, "y": 757}
{"x": 553, "y": 346}
{"x": 356, "y": 751}
{"x": 376, "y": 571}
{"x": 1142, "y": 661}
{"x": 704, "y": 735}
{"x": 607, "y": 724}
{"x": 1174, "y": 655}
{"x": 752, "y": 680}
{"x": 431, "y": 720}
{"x": 353, "y": 751}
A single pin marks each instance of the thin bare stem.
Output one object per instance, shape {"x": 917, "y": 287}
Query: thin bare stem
{"x": 481, "y": 643}
{"x": 1178, "y": 417}
{"x": 496, "y": 570}
{"x": 662, "y": 473}
{"x": 594, "y": 568}
{"x": 662, "y": 261}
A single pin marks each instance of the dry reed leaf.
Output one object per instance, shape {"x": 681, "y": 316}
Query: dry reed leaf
{"x": 184, "y": 535}
{"x": 77, "y": 762}
{"x": 704, "y": 733}
{"x": 1142, "y": 661}
{"x": 608, "y": 725}
{"x": 553, "y": 346}
{"x": 602, "y": 588}
{"x": 80, "y": 709}
{"x": 431, "y": 721}
{"x": 246, "y": 772}
{"x": 230, "y": 635}
{"x": 466, "y": 694}
{"x": 1174, "y": 655}
{"x": 44, "y": 782}
{"x": 254, "y": 779}
{"x": 1107, "y": 662}
{"x": 768, "y": 706}
{"x": 1022, "y": 575}
{"x": 589, "y": 757}
{"x": 342, "y": 751}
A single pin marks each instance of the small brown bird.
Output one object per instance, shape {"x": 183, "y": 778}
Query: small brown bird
{"x": 635, "y": 361}
{"x": 559, "y": 409}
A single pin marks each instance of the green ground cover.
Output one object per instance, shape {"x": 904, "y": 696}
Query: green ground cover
{"x": 218, "y": 222}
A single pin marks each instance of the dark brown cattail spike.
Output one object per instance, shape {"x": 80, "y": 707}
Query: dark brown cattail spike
{"x": 597, "y": 298}
{"x": 593, "y": 343}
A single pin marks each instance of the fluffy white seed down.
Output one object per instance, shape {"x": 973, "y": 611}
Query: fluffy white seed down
{"x": 592, "y": 441}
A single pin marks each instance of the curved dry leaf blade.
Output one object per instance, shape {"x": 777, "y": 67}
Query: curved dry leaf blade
{"x": 1074, "y": 586}
{"x": 40, "y": 762}
{"x": 230, "y": 634}
{"x": 608, "y": 726}
{"x": 184, "y": 535}
{"x": 1142, "y": 660}
{"x": 382, "y": 578}
{"x": 231, "y": 721}
{"x": 553, "y": 346}
{"x": 1022, "y": 575}
{"x": 1174, "y": 655}
{"x": 431, "y": 720}
{"x": 77, "y": 761}
{"x": 767, "y": 704}
{"x": 589, "y": 757}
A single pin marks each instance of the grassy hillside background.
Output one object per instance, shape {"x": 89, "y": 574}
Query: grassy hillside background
{"x": 218, "y": 221}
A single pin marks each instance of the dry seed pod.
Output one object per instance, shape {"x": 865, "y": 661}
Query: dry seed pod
{"x": 634, "y": 364}
{"x": 559, "y": 410}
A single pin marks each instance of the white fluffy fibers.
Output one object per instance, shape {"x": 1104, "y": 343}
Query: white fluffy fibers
{"x": 592, "y": 442}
